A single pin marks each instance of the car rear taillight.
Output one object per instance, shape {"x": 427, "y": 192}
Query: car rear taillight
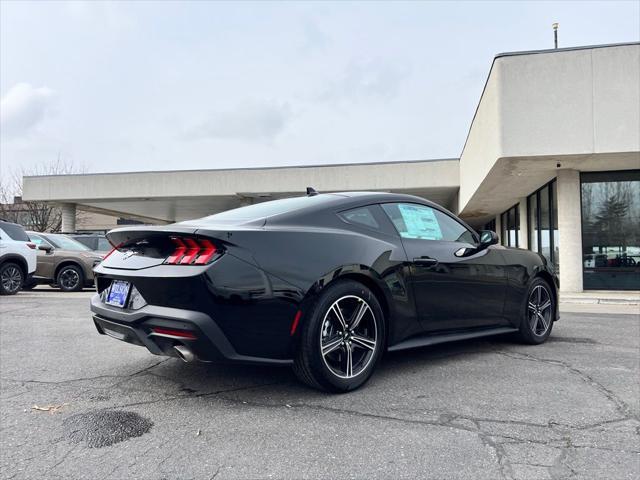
{"x": 32, "y": 246}
{"x": 191, "y": 251}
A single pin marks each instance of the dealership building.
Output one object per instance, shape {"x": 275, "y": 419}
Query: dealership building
{"x": 551, "y": 163}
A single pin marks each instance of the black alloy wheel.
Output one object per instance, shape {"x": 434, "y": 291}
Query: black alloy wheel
{"x": 70, "y": 278}
{"x": 341, "y": 339}
{"x": 11, "y": 279}
{"x": 539, "y": 313}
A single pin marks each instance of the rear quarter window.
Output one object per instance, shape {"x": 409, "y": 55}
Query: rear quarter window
{"x": 362, "y": 216}
{"x": 15, "y": 232}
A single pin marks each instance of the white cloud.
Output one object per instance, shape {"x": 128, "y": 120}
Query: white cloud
{"x": 23, "y": 108}
{"x": 261, "y": 121}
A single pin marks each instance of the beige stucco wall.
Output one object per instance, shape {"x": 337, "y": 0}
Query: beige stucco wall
{"x": 579, "y": 103}
{"x": 194, "y": 183}
{"x": 181, "y": 195}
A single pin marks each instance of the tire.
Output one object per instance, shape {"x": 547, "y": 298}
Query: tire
{"x": 70, "y": 278}
{"x": 350, "y": 354}
{"x": 11, "y": 278}
{"x": 538, "y": 314}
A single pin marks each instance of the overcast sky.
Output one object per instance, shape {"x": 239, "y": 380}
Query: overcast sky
{"x": 160, "y": 85}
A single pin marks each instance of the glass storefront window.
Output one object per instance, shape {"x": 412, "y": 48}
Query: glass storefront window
{"x": 542, "y": 207}
{"x": 532, "y": 208}
{"x": 555, "y": 237}
{"x": 510, "y": 227}
{"x": 545, "y": 220}
{"x": 611, "y": 230}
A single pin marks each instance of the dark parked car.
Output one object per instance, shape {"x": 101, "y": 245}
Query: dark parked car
{"x": 95, "y": 241}
{"x": 62, "y": 262}
{"x": 325, "y": 283}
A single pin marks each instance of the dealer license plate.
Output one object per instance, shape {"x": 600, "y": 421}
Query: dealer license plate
{"x": 118, "y": 293}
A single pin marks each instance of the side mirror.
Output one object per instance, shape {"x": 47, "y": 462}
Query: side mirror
{"x": 487, "y": 237}
{"x": 45, "y": 248}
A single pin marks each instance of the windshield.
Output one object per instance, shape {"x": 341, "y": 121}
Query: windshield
{"x": 268, "y": 209}
{"x": 66, "y": 243}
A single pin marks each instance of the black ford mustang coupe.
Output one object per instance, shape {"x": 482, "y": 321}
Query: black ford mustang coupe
{"x": 326, "y": 283}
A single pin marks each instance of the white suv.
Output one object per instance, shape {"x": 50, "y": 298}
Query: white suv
{"x": 17, "y": 257}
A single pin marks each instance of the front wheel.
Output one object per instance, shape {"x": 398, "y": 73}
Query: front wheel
{"x": 342, "y": 338}
{"x": 539, "y": 313}
{"x": 11, "y": 279}
{"x": 70, "y": 278}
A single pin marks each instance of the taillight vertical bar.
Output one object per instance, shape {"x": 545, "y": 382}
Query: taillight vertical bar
{"x": 178, "y": 253}
{"x": 208, "y": 251}
{"x": 192, "y": 251}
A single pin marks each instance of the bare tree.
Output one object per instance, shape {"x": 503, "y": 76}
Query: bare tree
{"x": 38, "y": 216}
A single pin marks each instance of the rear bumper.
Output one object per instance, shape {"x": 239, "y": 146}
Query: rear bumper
{"x": 136, "y": 327}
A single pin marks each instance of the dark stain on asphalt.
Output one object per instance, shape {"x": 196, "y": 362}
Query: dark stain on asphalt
{"x": 589, "y": 341}
{"x": 99, "y": 398}
{"x": 105, "y": 427}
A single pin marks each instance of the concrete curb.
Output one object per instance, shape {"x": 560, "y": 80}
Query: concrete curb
{"x": 601, "y": 301}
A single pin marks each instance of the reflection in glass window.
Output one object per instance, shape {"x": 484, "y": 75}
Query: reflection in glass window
{"x": 545, "y": 219}
{"x": 510, "y": 227}
{"x": 543, "y": 223}
{"x": 611, "y": 230}
{"x": 555, "y": 236}
{"x": 66, "y": 243}
{"x": 532, "y": 204}
{"x": 413, "y": 220}
{"x": 38, "y": 240}
{"x": 361, "y": 216}
{"x": 421, "y": 222}
{"x": 103, "y": 245}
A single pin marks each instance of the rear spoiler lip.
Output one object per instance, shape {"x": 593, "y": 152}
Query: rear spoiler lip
{"x": 123, "y": 235}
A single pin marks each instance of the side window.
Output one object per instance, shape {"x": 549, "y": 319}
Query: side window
{"x": 413, "y": 220}
{"x": 425, "y": 223}
{"x": 103, "y": 244}
{"x": 360, "y": 216}
{"x": 452, "y": 230}
{"x": 38, "y": 240}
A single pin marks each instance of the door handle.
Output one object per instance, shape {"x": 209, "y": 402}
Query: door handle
{"x": 425, "y": 261}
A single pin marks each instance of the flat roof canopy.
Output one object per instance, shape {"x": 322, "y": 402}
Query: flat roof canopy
{"x": 180, "y": 195}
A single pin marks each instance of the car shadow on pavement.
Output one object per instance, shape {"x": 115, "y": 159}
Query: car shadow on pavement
{"x": 210, "y": 379}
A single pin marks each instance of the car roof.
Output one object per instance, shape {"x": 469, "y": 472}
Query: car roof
{"x": 384, "y": 197}
{"x": 355, "y": 199}
{"x": 339, "y": 201}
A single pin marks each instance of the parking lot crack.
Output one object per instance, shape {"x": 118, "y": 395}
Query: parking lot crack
{"x": 58, "y": 382}
{"x": 620, "y": 405}
{"x": 84, "y": 379}
{"x": 197, "y": 395}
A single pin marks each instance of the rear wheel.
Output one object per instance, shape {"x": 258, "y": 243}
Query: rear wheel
{"x": 342, "y": 338}
{"x": 11, "y": 278}
{"x": 70, "y": 278}
{"x": 539, "y": 313}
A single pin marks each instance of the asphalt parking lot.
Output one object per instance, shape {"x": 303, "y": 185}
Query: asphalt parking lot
{"x": 480, "y": 409}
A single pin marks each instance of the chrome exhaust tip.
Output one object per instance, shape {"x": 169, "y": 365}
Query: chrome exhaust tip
{"x": 184, "y": 354}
